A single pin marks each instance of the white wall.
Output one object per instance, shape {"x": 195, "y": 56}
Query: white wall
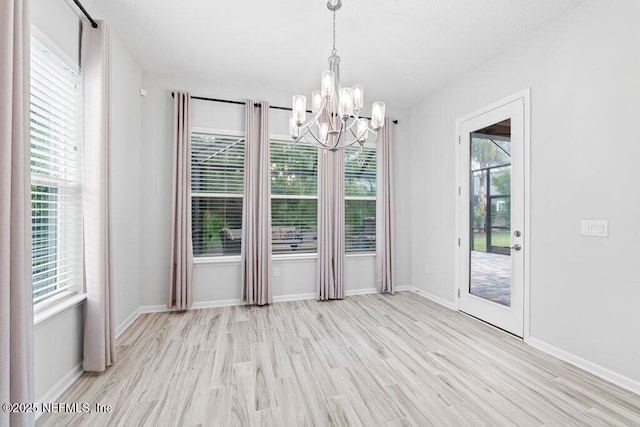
{"x": 126, "y": 178}
{"x": 58, "y": 341}
{"x": 221, "y": 281}
{"x": 583, "y": 72}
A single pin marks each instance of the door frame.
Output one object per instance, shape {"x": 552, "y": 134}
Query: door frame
{"x": 525, "y": 95}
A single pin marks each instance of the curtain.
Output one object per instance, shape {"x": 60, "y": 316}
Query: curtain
{"x": 181, "y": 270}
{"x": 384, "y": 208}
{"x": 16, "y": 307}
{"x": 256, "y": 209}
{"x": 331, "y": 228}
{"x": 99, "y": 330}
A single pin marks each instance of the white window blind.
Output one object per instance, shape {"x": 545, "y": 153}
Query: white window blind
{"x": 56, "y": 192}
{"x": 217, "y": 186}
{"x": 360, "y": 199}
{"x": 294, "y": 197}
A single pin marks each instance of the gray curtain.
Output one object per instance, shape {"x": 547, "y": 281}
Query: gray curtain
{"x": 256, "y": 209}
{"x": 384, "y": 208}
{"x": 16, "y": 307}
{"x": 181, "y": 269}
{"x": 331, "y": 228}
{"x": 99, "y": 330}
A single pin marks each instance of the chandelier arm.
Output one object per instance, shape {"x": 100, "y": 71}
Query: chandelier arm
{"x": 315, "y": 118}
{"x": 317, "y": 139}
{"x": 346, "y": 144}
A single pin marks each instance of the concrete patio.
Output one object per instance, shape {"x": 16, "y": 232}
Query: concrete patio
{"x": 491, "y": 277}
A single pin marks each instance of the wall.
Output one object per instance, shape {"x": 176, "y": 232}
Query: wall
{"x": 220, "y": 281}
{"x": 58, "y": 341}
{"x": 584, "y": 83}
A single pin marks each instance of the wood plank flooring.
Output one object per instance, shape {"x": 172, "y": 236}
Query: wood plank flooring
{"x": 372, "y": 360}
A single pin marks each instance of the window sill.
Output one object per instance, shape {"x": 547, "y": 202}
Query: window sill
{"x": 361, "y": 255}
{"x": 54, "y": 310}
{"x": 229, "y": 259}
{"x": 294, "y": 257}
{"x": 234, "y": 259}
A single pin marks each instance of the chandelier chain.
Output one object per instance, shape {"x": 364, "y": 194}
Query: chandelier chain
{"x": 334, "y": 33}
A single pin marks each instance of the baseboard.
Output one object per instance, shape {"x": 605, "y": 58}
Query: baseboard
{"x": 438, "y": 300}
{"x": 196, "y": 305}
{"x": 127, "y": 322}
{"x": 60, "y": 387}
{"x": 363, "y": 291}
{"x": 593, "y": 368}
{"x": 280, "y": 298}
{"x": 295, "y": 297}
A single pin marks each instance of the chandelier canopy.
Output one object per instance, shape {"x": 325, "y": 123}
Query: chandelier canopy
{"x": 335, "y": 123}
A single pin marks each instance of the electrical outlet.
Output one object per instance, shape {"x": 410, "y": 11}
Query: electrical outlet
{"x": 276, "y": 272}
{"x": 597, "y": 228}
{"x": 426, "y": 268}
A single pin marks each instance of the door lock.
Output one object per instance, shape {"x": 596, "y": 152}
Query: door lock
{"x": 517, "y": 233}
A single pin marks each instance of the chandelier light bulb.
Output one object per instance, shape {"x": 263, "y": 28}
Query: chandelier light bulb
{"x": 328, "y": 84}
{"x": 377, "y": 115}
{"x": 361, "y": 130}
{"x": 294, "y": 129}
{"x": 300, "y": 108}
{"x": 358, "y": 98}
{"x": 316, "y": 101}
{"x": 345, "y": 106}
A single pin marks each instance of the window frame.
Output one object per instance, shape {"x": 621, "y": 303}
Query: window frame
{"x": 49, "y": 307}
{"x": 220, "y": 259}
{"x": 302, "y": 255}
{"x": 372, "y": 145}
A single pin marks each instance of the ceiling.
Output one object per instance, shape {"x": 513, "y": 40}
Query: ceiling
{"x": 399, "y": 50}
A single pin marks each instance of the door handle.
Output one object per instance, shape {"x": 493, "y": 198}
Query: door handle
{"x": 517, "y": 247}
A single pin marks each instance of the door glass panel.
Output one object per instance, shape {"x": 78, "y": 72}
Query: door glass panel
{"x": 490, "y": 216}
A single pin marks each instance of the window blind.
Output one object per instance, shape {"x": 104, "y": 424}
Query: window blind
{"x": 56, "y": 192}
{"x": 360, "y": 199}
{"x": 217, "y": 186}
{"x": 294, "y": 197}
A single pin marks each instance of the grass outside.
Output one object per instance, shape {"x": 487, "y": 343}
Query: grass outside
{"x": 498, "y": 238}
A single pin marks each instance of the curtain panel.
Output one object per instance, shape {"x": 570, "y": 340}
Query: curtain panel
{"x": 384, "y": 209}
{"x": 331, "y": 225}
{"x": 16, "y": 306}
{"x": 99, "y": 329}
{"x": 256, "y": 209}
{"x": 181, "y": 263}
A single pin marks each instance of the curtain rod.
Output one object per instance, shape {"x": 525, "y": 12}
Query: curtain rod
{"x": 94, "y": 24}
{"x": 257, "y": 104}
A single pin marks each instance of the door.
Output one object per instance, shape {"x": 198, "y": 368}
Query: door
{"x": 492, "y": 215}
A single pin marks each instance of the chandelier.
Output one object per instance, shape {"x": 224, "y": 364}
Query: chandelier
{"x": 335, "y": 123}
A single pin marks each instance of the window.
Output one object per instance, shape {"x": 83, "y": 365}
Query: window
{"x": 217, "y": 186}
{"x": 56, "y": 191}
{"x": 360, "y": 199}
{"x": 294, "y": 197}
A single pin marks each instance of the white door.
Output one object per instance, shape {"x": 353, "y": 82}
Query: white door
{"x": 492, "y": 215}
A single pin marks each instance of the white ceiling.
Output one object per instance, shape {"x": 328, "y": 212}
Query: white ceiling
{"x": 400, "y": 50}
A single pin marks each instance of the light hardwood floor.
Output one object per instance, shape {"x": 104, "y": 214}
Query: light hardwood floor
{"x": 396, "y": 360}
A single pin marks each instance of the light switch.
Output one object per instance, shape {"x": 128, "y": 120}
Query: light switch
{"x": 594, "y": 228}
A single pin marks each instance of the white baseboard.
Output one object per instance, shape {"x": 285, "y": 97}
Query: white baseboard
{"x": 60, "y": 387}
{"x": 438, "y": 300}
{"x": 595, "y": 369}
{"x": 127, "y": 322}
{"x": 233, "y": 302}
{"x": 363, "y": 291}
{"x": 295, "y": 297}
{"x": 196, "y": 305}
